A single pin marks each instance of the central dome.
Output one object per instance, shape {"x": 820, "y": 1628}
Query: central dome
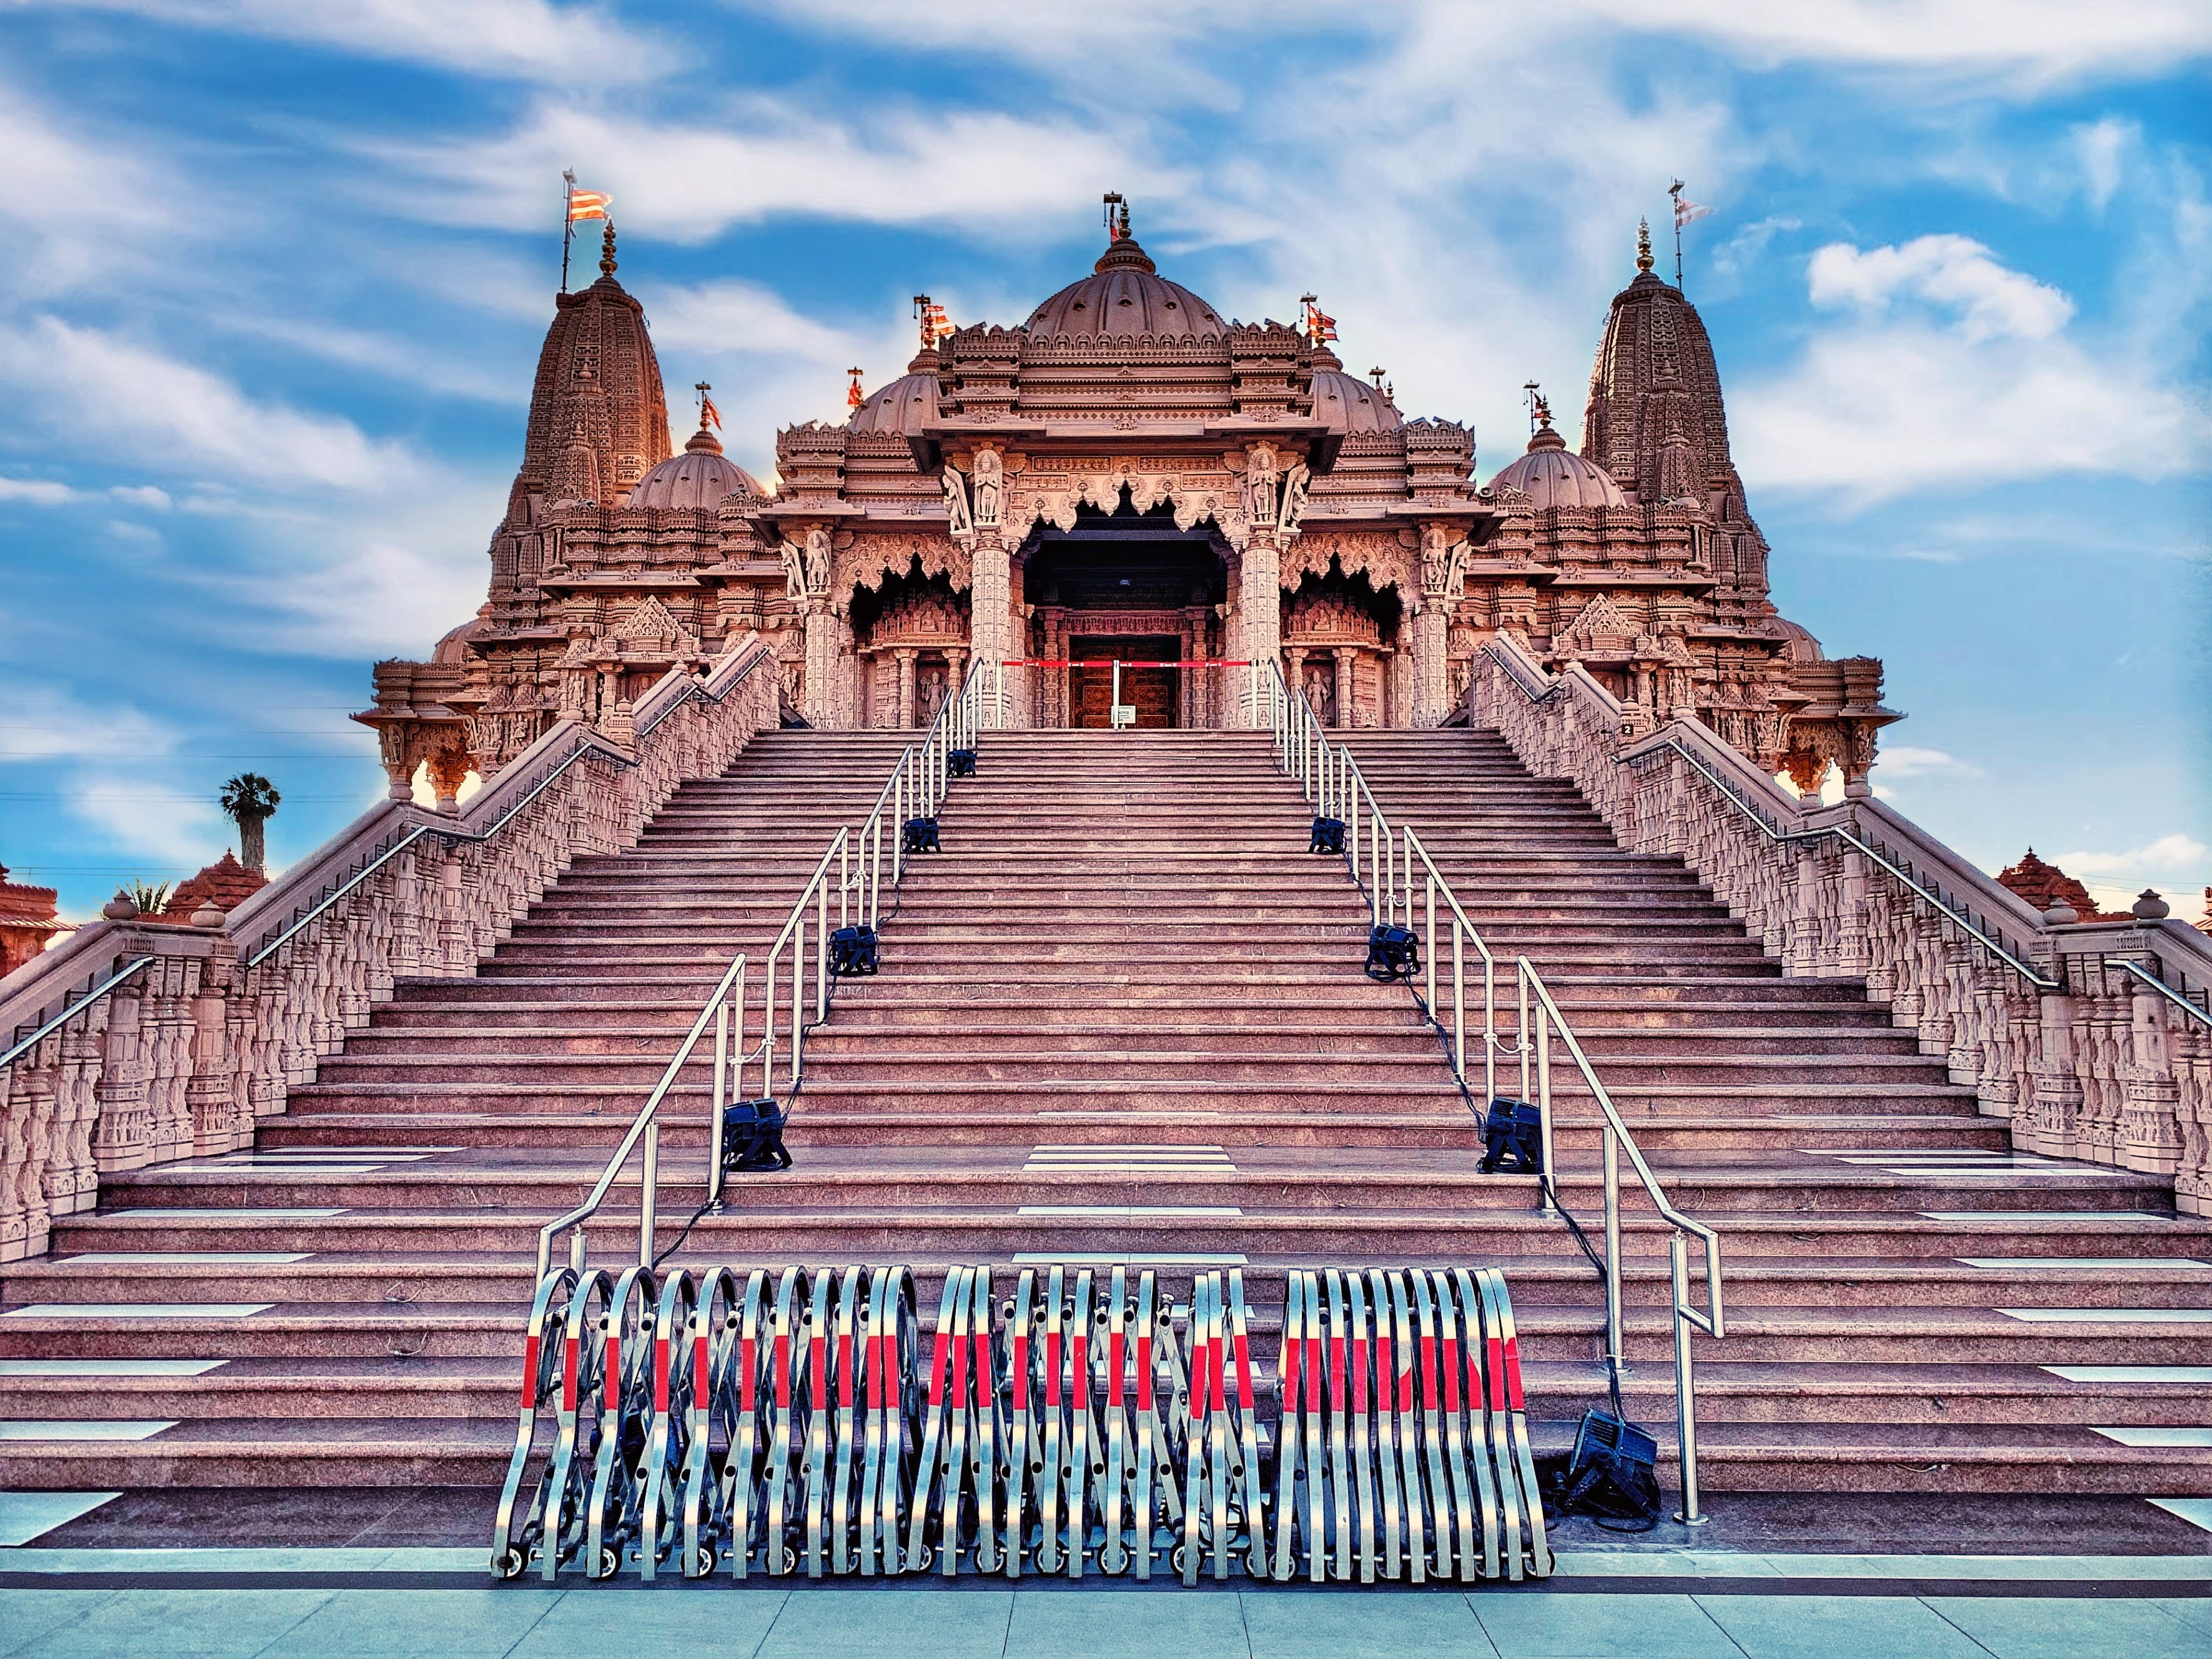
{"x": 1125, "y": 295}
{"x": 1552, "y": 475}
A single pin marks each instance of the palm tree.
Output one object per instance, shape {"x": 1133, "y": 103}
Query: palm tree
{"x": 250, "y": 800}
{"x": 149, "y": 895}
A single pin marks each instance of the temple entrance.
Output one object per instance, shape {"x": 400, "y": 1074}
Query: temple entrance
{"x": 1154, "y": 693}
{"x": 1130, "y": 587}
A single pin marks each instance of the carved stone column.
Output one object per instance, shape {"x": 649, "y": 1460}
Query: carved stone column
{"x": 2150, "y": 1126}
{"x": 1260, "y": 603}
{"x": 1432, "y": 672}
{"x": 1347, "y": 687}
{"x": 821, "y": 705}
{"x": 989, "y": 597}
{"x": 905, "y": 656}
{"x": 2053, "y": 1128}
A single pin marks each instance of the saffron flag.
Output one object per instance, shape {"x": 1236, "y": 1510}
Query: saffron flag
{"x": 709, "y": 415}
{"x": 588, "y": 204}
{"x": 937, "y": 322}
{"x": 1686, "y": 211}
{"x": 853, "y": 395}
{"x": 1323, "y": 325}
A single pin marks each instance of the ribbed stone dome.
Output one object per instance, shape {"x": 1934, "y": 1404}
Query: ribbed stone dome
{"x": 697, "y": 479}
{"x": 1346, "y": 403}
{"x": 904, "y": 407}
{"x": 1125, "y": 295}
{"x": 1552, "y": 475}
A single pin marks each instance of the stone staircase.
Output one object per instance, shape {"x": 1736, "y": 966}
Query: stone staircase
{"x": 1121, "y": 1015}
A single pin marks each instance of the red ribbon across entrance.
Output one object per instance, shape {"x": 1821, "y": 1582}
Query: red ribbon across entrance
{"x": 1107, "y": 662}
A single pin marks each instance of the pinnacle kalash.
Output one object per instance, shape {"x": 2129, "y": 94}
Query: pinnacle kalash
{"x": 1079, "y": 1420}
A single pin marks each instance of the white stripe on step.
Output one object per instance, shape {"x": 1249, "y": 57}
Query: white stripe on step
{"x": 88, "y": 1431}
{"x": 239, "y": 1215}
{"x": 272, "y": 1171}
{"x": 208, "y": 1258}
{"x": 139, "y": 1310}
{"x": 108, "y": 1367}
{"x": 2132, "y": 1373}
{"x": 2190, "y": 1439}
{"x": 1131, "y": 1258}
{"x": 27, "y": 1515}
{"x": 1128, "y": 1209}
{"x": 2085, "y": 1217}
{"x": 2197, "y": 1511}
{"x": 2130, "y": 1262}
{"x": 2110, "y": 1316}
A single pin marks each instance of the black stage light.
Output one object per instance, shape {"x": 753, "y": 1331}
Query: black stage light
{"x": 852, "y": 952}
{"x": 752, "y": 1137}
{"x": 921, "y": 835}
{"x": 960, "y": 762}
{"x": 1610, "y": 1475}
{"x": 1328, "y": 836}
{"x": 1513, "y": 1137}
{"x": 1393, "y": 953}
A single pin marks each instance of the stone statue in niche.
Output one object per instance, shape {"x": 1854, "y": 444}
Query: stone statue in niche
{"x": 990, "y": 488}
{"x": 1261, "y": 474}
{"x": 817, "y": 561}
{"x": 794, "y": 570}
{"x": 1296, "y": 482}
{"x": 957, "y": 518}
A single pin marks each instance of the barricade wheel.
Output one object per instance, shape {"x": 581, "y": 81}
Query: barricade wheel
{"x": 512, "y": 1564}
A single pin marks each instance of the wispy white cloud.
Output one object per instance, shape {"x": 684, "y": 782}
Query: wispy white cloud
{"x": 1954, "y": 273}
{"x": 96, "y": 387}
{"x": 83, "y": 207}
{"x": 37, "y": 492}
{"x": 140, "y": 818}
{"x": 530, "y": 39}
{"x": 1898, "y": 762}
{"x": 40, "y": 722}
{"x": 1953, "y": 372}
{"x": 2178, "y": 866}
{"x": 689, "y": 181}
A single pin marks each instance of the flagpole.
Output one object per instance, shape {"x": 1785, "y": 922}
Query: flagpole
{"x": 1675, "y": 192}
{"x": 567, "y": 223}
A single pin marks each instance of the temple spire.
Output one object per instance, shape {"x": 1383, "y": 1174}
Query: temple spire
{"x": 1644, "y": 260}
{"x": 607, "y": 251}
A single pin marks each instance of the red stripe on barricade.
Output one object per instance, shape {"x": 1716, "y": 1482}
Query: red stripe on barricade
{"x": 783, "y": 1370}
{"x": 818, "y": 1384}
{"x": 844, "y": 1369}
{"x": 570, "y": 1360}
{"x": 959, "y": 1374}
{"x": 747, "y": 1357}
{"x": 1243, "y": 1374}
{"x": 530, "y": 1373}
{"x": 1335, "y": 1372}
{"x": 1114, "y": 1354}
{"x": 1021, "y": 1369}
{"x": 1497, "y": 1375}
{"x": 1359, "y": 1374}
{"x": 660, "y": 1374}
{"x": 1513, "y": 1372}
{"x": 614, "y": 1371}
{"x": 1144, "y": 1371}
{"x": 938, "y": 1367}
{"x": 701, "y": 1371}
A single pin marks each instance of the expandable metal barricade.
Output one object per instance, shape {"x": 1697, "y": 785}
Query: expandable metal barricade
{"x": 789, "y": 1420}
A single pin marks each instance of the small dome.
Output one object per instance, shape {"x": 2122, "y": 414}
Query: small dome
{"x": 695, "y": 481}
{"x": 1803, "y": 647}
{"x": 1125, "y": 295}
{"x": 1348, "y": 403}
{"x": 904, "y": 407}
{"x": 1552, "y": 475}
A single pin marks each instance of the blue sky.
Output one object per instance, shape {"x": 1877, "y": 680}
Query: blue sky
{"x": 276, "y": 275}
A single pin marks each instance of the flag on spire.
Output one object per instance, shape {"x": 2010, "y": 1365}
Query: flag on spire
{"x": 588, "y": 204}
{"x": 709, "y": 415}
{"x": 1320, "y": 326}
{"x": 935, "y": 325}
{"x": 853, "y": 395}
{"x": 1687, "y": 211}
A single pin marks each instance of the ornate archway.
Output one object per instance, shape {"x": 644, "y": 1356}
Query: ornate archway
{"x": 1340, "y": 646}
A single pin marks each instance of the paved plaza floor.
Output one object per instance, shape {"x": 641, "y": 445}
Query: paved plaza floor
{"x": 381, "y": 1604}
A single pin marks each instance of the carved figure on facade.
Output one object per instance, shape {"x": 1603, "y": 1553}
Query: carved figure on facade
{"x": 1297, "y": 482}
{"x": 958, "y": 520}
{"x": 990, "y": 488}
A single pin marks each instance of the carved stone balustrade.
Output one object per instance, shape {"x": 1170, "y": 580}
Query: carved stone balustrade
{"x": 209, "y": 1029}
{"x": 2086, "y": 1059}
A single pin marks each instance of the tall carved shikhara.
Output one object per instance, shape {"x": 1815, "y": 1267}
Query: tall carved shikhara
{"x": 947, "y": 519}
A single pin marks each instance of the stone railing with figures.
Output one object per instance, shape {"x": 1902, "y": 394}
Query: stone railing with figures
{"x": 137, "y": 1041}
{"x": 2095, "y": 1040}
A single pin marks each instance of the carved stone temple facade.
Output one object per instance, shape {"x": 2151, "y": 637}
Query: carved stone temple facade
{"x": 1127, "y": 475}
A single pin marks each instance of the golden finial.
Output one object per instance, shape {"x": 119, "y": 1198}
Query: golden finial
{"x": 607, "y": 250}
{"x": 1644, "y": 260}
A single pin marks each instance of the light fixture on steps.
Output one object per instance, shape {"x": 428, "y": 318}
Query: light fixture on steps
{"x": 853, "y": 951}
{"x": 1512, "y": 1138}
{"x": 920, "y": 835}
{"x": 1328, "y": 836}
{"x": 1393, "y": 953}
{"x": 960, "y": 762}
{"x": 752, "y": 1138}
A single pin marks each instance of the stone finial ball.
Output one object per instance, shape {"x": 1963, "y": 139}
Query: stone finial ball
{"x": 2149, "y": 907}
{"x": 207, "y": 915}
{"x": 121, "y": 908}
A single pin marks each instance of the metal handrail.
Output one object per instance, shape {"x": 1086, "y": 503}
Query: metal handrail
{"x": 647, "y": 1125}
{"x": 1965, "y": 923}
{"x": 26, "y": 1044}
{"x": 1330, "y": 777}
{"x": 2161, "y": 988}
{"x": 1617, "y": 1136}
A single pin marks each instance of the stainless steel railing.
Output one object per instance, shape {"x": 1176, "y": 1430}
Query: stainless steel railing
{"x": 853, "y": 866}
{"x": 1331, "y": 779}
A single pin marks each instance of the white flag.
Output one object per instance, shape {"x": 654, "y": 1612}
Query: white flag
{"x": 1686, "y": 210}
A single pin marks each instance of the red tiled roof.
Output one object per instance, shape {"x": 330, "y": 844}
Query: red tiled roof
{"x": 226, "y": 881}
